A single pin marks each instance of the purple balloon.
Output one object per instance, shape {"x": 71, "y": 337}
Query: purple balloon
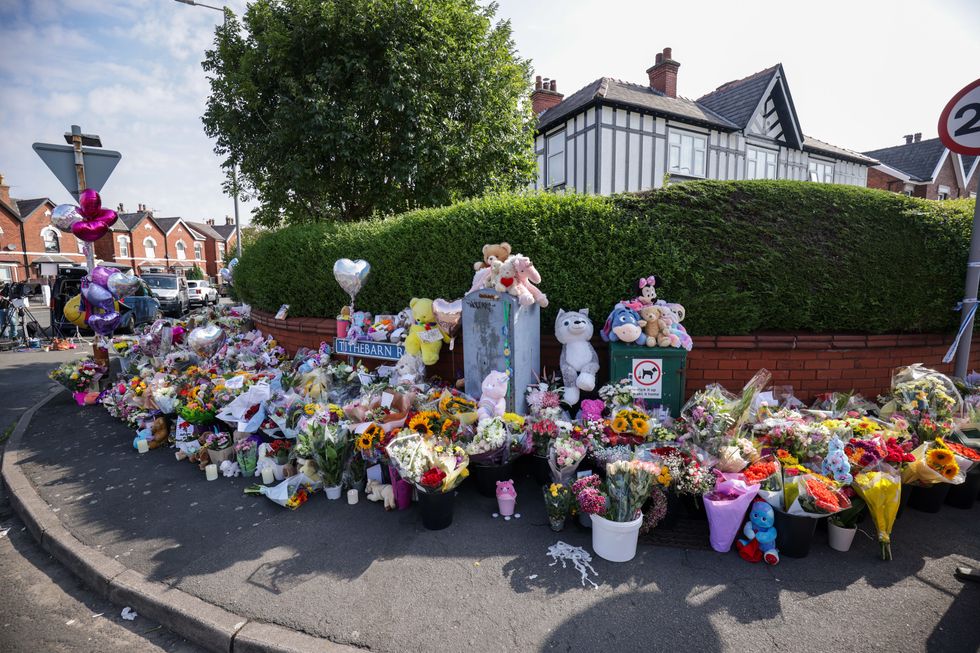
{"x": 105, "y": 324}
{"x": 96, "y": 295}
{"x": 106, "y": 216}
{"x": 89, "y": 230}
{"x": 90, "y": 203}
{"x": 100, "y": 276}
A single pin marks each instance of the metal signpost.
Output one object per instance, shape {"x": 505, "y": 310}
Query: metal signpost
{"x": 959, "y": 130}
{"x": 80, "y": 165}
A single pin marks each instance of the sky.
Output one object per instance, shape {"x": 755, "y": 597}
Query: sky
{"x": 862, "y": 74}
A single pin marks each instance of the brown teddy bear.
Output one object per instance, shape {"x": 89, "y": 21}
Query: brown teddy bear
{"x": 160, "y": 431}
{"x": 657, "y": 328}
{"x": 492, "y": 254}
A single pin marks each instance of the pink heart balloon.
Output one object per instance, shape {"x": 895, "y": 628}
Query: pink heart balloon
{"x": 89, "y": 230}
{"x": 106, "y": 216}
{"x": 90, "y": 203}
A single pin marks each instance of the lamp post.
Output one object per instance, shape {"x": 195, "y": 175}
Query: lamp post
{"x": 234, "y": 166}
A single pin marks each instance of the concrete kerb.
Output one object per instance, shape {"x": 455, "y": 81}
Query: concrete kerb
{"x": 203, "y": 623}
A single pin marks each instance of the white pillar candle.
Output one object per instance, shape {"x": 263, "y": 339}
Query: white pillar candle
{"x": 267, "y": 475}
{"x": 211, "y": 471}
{"x": 142, "y": 445}
{"x": 351, "y": 497}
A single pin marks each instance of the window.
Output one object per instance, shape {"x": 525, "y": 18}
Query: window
{"x": 821, "y": 172}
{"x": 198, "y": 251}
{"x": 943, "y": 193}
{"x": 123, "y": 246}
{"x": 556, "y": 159}
{"x": 150, "y": 246}
{"x": 181, "y": 250}
{"x": 50, "y": 237}
{"x": 5, "y": 274}
{"x": 81, "y": 245}
{"x": 760, "y": 163}
{"x": 687, "y": 153}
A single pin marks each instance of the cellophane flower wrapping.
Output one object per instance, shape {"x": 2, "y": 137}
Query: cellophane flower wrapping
{"x": 240, "y": 414}
{"x": 490, "y": 443}
{"x": 417, "y": 458}
{"x": 565, "y": 454}
{"x": 928, "y": 399}
{"x": 330, "y": 444}
{"x": 725, "y": 508}
{"x": 817, "y": 497}
{"x": 290, "y": 493}
{"x": 934, "y": 463}
{"x": 881, "y": 488}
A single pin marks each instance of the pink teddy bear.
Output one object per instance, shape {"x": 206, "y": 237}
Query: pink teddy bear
{"x": 506, "y": 499}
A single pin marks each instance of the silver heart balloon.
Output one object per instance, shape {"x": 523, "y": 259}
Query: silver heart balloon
{"x": 205, "y": 341}
{"x": 351, "y": 274}
{"x": 64, "y": 216}
{"x": 96, "y": 294}
{"x": 122, "y": 285}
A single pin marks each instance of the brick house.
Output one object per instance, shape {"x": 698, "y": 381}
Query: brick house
{"x": 613, "y": 136}
{"x": 214, "y": 246}
{"x": 923, "y": 168}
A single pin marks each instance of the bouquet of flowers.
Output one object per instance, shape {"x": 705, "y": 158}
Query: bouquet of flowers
{"x": 565, "y": 454}
{"x": 725, "y": 507}
{"x": 934, "y": 463}
{"x": 328, "y": 440}
{"x": 589, "y": 496}
{"x": 558, "y": 503}
{"x": 790, "y": 431}
{"x": 290, "y": 493}
{"x": 605, "y": 455}
{"x": 491, "y": 442}
{"x": 819, "y": 496}
{"x": 541, "y": 432}
{"x": 881, "y": 488}
{"x": 708, "y": 414}
{"x": 927, "y": 398}
{"x": 78, "y": 376}
{"x": 618, "y": 395}
{"x": 247, "y": 455}
{"x": 683, "y": 472}
{"x": 370, "y": 442}
{"x": 431, "y": 464}
{"x": 628, "y": 426}
{"x": 628, "y": 486}
{"x": 279, "y": 450}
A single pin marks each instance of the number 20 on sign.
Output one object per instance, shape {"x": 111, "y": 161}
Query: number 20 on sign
{"x": 959, "y": 123}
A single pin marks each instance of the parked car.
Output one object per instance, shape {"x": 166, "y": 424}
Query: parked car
{"x": 202, "y": 293}
{"x": 171, "y": 290}
{"x": 140, "y": 308}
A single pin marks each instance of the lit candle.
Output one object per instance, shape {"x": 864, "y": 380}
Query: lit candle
{"x": 351, "y": 497}
{"x": 211, "y": 471}
{"x": 267, "y": 475}
{"x": 142, "y": 445}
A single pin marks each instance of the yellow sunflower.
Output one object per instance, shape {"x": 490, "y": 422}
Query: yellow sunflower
{"x": 939, "y": 457}
{"x": 640, "y": 426}
{"x": 514, "y": 420}
{"x": 950, "y": 471}
{"x": 620, "y": 425}
{"x": 364, "y": 442}
{"x": 421, "y": 423}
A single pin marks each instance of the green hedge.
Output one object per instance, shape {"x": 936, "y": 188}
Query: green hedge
{"x": 741, "y": 256}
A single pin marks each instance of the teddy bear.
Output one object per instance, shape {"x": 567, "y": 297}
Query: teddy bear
{"x": 657, "y": 329}
{"x": 407, "y": 370}
{"x": 579, "y": 362}
{"x": 646, "y": 290}
{"x": 835, "y": 464}
{"x": 402, "y": 322}
{"x": 506, "y": 499}
{"x": 491, "y": 254}
{"x": 492, "y": 395}
{"x": 360, "y": 323}
{"x": 377, "y": 491}
{"x": 673, "y": 315}
{"x": 759, "y": 542}
{"x": 159, "y": 432}
{"x": 525, "y": 276}
{"x": 424, "y": 337}
{"x": 624, "y": 324}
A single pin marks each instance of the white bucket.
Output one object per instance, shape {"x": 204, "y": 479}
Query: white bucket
{"x": 333, "y": 493}
{"x": 840, "y": 538}
{"x": 615, "y": 541}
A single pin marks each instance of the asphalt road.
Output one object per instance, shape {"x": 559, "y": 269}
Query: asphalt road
{"x": 380, "y": 581}
{"x": 43, "y": 607}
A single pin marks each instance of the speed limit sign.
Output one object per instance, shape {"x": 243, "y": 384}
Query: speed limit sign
{"x": 959, "y": 124}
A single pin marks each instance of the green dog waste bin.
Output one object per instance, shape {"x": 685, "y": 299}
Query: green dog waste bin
{"x": 657, "y": 373}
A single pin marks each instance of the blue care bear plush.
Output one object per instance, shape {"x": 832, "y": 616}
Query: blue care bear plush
{"x": 624, "y": 324}
{"x": 835, "y": 464}
{"x": 759, "y": 542}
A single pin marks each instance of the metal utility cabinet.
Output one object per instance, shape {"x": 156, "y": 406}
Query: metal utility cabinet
{"x": 657, "y": 373}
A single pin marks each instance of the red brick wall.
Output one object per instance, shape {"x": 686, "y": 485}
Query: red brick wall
{"x": 947, "y": 177}
{"x": 139, "y": 234}
{"x": 812, "y": 364}
{"x": 884, "y": 181}
{"x": 37, "y": 222}
{"x": 11, "y": 236}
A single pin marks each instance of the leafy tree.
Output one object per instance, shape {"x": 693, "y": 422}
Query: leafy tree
{"x": 338, "y": 109}
{"x": 195, "y": 273}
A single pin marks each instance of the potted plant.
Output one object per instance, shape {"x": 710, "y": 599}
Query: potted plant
{"x": 247, "y": 455}
{"x": 558, "y": 503}
{"x": 614, "y": 506}
{"x": 842, "y": 526}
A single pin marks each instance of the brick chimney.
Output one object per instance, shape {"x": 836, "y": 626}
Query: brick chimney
{"x": 4, "y": 191}
{"x": 908, "y": 139}
{"x": 545, "y": 94}
{"x": 917, "y": 138}
{"x": 663, "y": 74}
{"x": 229, "y": 220}
{"x": 120, "y": 208}
{"x": 209, "y": 222}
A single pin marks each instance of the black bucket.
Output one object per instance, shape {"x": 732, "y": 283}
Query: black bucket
{"x": 904, "y": 499}
{"x": 964, "y": 495}
{"x": 794, "y": 534}
{"x": 541, "y": 470}
{"x": 486, "y": 477}
{"x": 437, "y": 509}
{"x": 929, "y": 498}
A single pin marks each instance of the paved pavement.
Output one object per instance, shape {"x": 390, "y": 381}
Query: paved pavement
{"x": 43, "y": 607}
{"x": 377, "y": 580}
